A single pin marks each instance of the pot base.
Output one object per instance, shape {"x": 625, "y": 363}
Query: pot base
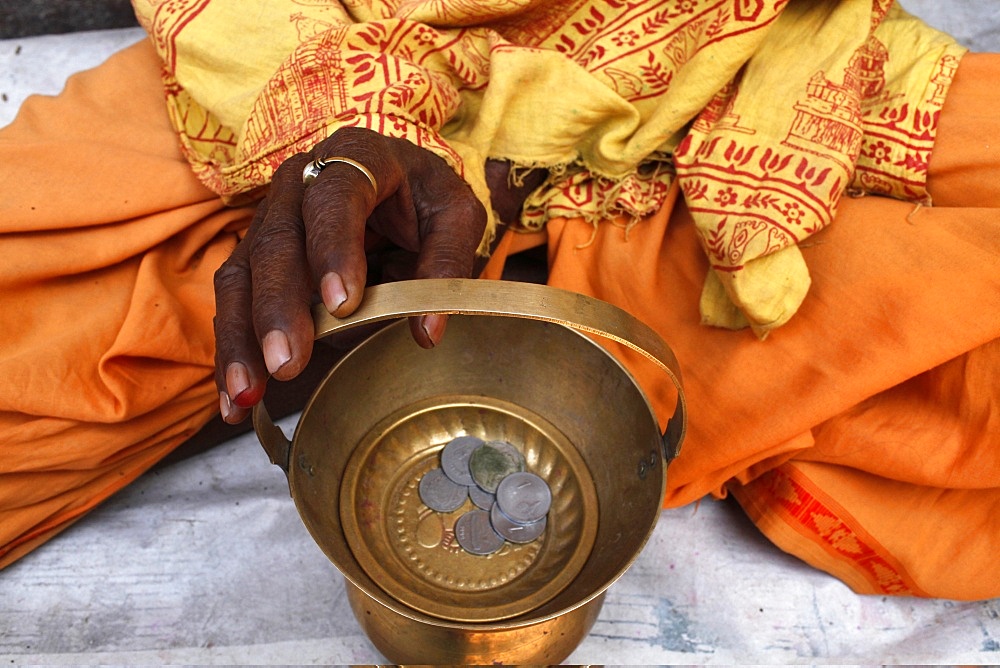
{"x": 409, "y": 641}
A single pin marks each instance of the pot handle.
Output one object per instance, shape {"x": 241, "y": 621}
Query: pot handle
{"x": 467, "y": 296}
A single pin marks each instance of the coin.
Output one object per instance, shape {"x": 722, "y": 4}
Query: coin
{"x": 514, "y": 531}
{"x": 524, "y": 497}
{"x": 474, "y": 532}
{"x": 481, "y": 497}
{"x": 492, "y": 462}
{"x": 455, "y": 458}
{"x": 512, "y": 451}
{"x": 439, "y": 493}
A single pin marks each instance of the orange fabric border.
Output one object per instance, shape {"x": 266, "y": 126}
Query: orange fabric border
{"x": 803, "y": 520}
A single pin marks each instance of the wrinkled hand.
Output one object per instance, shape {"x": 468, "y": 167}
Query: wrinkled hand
{"x": 309, "y": 240}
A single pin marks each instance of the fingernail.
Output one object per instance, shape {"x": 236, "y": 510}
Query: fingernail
{"x": 433, "y": 326}
{"x": 237, "y": 380}
{"x": 225, "y": 406}
{"x": 331, "y": 287}
{"x": 277, "y": 352}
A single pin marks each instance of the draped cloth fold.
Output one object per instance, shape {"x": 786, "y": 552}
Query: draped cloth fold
{"x": 861, "y": 436}
{"x": 109, "y": 246}
{"x": 765, "y": 112}
{"x": 864, "y": 435}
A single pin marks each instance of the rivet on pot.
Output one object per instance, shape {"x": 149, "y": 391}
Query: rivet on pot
{"x": 643, "y": 467}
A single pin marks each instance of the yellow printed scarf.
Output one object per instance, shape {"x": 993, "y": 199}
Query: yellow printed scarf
{"x": 766, "y": 111}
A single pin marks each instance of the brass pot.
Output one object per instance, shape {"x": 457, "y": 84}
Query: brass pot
{"x": 516, "y": 364}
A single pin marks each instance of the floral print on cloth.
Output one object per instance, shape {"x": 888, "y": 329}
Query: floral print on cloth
{"x": 766, "y": 111}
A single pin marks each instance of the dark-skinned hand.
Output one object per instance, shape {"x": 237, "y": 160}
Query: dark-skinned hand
{"x": 309, "y": 242}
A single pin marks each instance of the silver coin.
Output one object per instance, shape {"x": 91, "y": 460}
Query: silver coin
{"x": 524, "y": 497}
{"x": 455, "y": 458}
{"x": 514, "y": 531}
{"x": 474, "y": 532}
{"x": 439, "y": 493}
{"x": 492, "y": 462}
{"x": 512, "y": 451}
{"x": 481, "y": 497}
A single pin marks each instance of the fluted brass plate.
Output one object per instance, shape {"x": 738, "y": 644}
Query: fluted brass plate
{"x": 410, "y": 551}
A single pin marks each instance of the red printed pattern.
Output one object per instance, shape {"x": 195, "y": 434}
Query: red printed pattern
{"x": 898, "y": 138}
{"x": 396, "y": 96}
{"x": 207, "y": 144}
{"x": 175, "y": 14}
{"x": 820, "y": 520}
{"x": 786, "y": 197}
{"x": 856, "y": 135}
{"x": 406, "y": 77}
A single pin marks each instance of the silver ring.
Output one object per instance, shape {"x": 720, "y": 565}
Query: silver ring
{"x": 313, "y": 169}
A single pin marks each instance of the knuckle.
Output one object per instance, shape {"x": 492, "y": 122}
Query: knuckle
{"x": 327, "y": 195}
{"x": 231, "y": 273}
{"x": 471, "y": 209}
{"x": 458, "y": 221}
{"x": 225, "y": 328}
{"x": 281, "y": 234}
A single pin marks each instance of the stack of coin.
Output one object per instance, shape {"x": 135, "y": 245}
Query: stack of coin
{"x": 511, "y": 504}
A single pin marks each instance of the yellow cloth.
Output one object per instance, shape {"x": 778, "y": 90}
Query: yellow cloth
{"x": 764, "y": 107}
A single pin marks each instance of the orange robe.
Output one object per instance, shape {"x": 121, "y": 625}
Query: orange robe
{"x": 109, "y": 245}
{"x": 861, "y": 436}
{"x": 864, "y": 435}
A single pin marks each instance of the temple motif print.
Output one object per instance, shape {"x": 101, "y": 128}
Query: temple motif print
{"x": 851, "y": 128}
{"x": 650, "y": 91}
{"x": 898, "y": 139}
{"x": 719, "y": 113}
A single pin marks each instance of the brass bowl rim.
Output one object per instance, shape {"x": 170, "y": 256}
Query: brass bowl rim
{"x": 529, "y": 618}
